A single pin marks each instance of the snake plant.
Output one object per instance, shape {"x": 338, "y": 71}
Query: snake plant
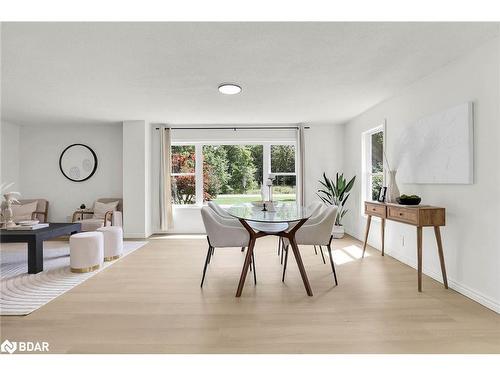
{"x": 336, "y": 193}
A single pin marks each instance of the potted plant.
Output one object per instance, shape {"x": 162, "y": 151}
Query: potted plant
{"x": 336, "y": 193}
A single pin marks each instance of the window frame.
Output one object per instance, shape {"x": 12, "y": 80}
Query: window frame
{"x": 198, "y": 172}
{"x": 175, "y": 174}
{"x": 366, "y": 163}
{"x": 276, "y": 174}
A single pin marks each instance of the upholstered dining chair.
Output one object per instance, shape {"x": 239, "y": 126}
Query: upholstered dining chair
{"x": 104, "y": 213}
{"x": 266, "y": 227}
{"x": 220, "y": 211}
{"x": 314, "y": 208}
{"x": 223, "y": 232}
{"x": 316, "y": 231}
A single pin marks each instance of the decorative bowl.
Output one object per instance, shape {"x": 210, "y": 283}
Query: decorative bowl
{"x": 409, "y": 200}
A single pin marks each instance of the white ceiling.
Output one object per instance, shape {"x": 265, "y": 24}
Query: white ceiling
{"x": 77, "y": 73}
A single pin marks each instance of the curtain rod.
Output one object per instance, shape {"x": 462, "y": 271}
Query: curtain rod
{"x": 234, "y": 128}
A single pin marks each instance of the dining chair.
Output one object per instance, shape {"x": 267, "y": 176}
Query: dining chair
{"x": 221, "y": 212}
{"x": 314, "y": 208}
{"x": 223, "y": 232}
{"x": 316, "y": 231}
{"x": 266, "y": 227}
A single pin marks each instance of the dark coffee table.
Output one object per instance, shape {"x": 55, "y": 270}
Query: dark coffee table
{"x": 35, "y": 238}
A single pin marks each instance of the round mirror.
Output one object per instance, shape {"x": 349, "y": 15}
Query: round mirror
{"x": 78, "y": 162}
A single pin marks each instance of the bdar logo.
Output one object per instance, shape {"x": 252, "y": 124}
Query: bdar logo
{"x": 8, "y": 347}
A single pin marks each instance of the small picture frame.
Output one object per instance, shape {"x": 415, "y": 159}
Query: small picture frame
{"x": 381, "y": 194}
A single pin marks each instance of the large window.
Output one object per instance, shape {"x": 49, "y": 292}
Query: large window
{"x": 183, "y": 175}
{"x": 373, "y": 162}
{"x": 283, "y": 168}
{"x": 231, "y": 173}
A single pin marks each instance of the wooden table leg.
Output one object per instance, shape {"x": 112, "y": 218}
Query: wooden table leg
{"x": 437, "y": 232}
{"x": 302, "y": 270}
{"x": 367, "y": 230}
{"x": 419, "y": 257}
{"x": 246, "y": 265}
{"x": 382, "y": 228}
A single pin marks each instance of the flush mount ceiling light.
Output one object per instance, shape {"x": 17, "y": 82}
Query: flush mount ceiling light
{"x": 229, "y": 89}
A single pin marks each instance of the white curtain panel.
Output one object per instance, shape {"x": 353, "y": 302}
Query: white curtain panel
{"x": 301, "y": 187}
{"x": 166, "y": 216}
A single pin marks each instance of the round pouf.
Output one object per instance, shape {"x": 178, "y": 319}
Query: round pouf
{"x": 113, "y": 242}
{"x": 86, "y": 251}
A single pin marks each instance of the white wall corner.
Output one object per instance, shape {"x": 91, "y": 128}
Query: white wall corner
{"x": 136, "y": 178}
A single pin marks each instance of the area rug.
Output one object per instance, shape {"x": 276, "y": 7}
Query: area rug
{"x": 22, "y": 293}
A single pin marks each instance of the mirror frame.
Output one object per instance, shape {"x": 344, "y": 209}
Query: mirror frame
{"x": 93, "y": 154}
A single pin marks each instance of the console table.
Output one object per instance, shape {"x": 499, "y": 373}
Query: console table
{"x": 418, "y": 216}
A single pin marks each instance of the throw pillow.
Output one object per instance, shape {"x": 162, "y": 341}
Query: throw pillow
{"x": 23, "y": 211}
{"x": 100, "y": 209}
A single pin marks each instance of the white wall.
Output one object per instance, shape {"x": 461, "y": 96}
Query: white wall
{"x": 39, "y": 150}
{"x": 471, "y": 241}
{"x": 136, "y": 179}
{"x": 9, "y": 144}
{"x": 323, "y": 145}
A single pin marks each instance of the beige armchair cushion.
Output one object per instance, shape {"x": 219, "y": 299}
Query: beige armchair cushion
{"x": 42, "y": 208}
{"x": 101, "y": 208}
{"x": 23, "y": 211}
{"x": 90, "y": 225}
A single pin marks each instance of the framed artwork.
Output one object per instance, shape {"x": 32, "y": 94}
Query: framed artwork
{"x": 381, "y": 194}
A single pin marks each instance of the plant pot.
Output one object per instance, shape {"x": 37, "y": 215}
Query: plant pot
{"x": 338, "y": 231}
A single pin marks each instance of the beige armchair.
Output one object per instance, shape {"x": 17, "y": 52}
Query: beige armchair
{"x": 42, "y": 209}
{"x": 91, "y": 220}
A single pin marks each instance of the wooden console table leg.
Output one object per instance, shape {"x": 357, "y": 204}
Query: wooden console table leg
{"x": 437, "y": 232}
{"x": 419, "y": 257}
{"x": 382, "y": 226}
{"x": 368, "y": 222}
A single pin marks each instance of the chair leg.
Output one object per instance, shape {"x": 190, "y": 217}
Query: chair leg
{"x": 315, "y": 250}
{"x": 286, "y": 261}
{"x": 207, "y": 260}
{"x": 333, "y": 265}
{"x": 243, "y": 249}
{"x": 254, "y": 270}
{"x": 322, "y": 256}
{"x": 210, "y": 252}
{"x": 279, "y": 246}
{"x": 282, "y": 250}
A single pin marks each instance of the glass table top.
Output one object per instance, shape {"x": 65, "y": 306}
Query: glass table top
{"x": 283, "y": 212}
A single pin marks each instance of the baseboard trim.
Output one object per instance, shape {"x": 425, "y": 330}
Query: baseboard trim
{"x": 130, "y": 236}
{"x": 452, "y": 284}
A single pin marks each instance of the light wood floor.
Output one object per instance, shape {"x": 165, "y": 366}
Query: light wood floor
{"x": 151, "y": 302}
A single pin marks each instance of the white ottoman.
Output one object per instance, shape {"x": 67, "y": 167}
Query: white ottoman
{"x": 86, "y": 251}
{"x": 113, "y": 242}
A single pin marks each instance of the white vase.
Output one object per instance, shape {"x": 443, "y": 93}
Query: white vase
{"x": 338, "y": 231}
{"x": 392, "y": 188}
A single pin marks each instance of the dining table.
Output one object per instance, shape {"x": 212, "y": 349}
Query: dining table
{"x": 282, "y": 219}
